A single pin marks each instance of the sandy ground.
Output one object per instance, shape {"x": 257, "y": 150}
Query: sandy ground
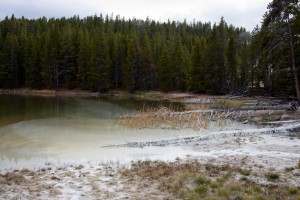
{"x": 259, "y": 153}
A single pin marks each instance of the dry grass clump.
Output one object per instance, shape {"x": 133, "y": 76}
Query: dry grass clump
{"x": 201, "y": 106}
{"x": 197, "y": 181}
{"x": 12, "y": 178}
{"x": 168, "y": 118}
{"x": 79, "y": 167}
{"x": 224, "y": 103}
{"x": 272, "y": 176}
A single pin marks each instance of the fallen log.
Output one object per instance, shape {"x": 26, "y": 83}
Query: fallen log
{"x": 280, "y": 107}
{"x": 195, "y": 139}
{"x": 212, "y": 114}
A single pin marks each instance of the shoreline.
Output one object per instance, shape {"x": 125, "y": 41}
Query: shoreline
{"x": 174, "y": 96}
{"x": 158, "y": 95}
{"x": 273, "y": 175}
{"x": 62, "y": 92}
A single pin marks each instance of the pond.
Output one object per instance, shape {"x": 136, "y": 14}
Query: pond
{"x": 37, "y": 130}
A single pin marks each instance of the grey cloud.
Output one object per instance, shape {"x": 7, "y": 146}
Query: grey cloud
{"x": 245, "y": 13}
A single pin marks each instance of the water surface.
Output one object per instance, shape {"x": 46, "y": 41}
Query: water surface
{"x": 36, "y": 130}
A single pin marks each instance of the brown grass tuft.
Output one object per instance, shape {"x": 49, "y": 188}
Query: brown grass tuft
{"x": 12, "y": 178}
{"x": 206, "y": 181}
{"x": 167, "y": 118}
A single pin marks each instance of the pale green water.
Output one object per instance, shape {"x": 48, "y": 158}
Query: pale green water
{"x": 36, "y": 130}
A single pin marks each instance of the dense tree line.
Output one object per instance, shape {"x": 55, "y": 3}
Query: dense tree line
{"x": 99, "y": 53}
{"x": 277, "y": 58}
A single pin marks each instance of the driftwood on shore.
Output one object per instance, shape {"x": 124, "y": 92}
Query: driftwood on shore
{"x": 287, "y": 128}
{"x": 245, "y": 111}
{"x": 210, "y": 114}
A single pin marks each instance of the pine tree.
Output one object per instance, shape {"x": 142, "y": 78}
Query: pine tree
{"x": 22, "y": 55}
{"x": 164, "y": 77}
{"x": 197, "y": 71}
{"x": 118, "y": 59}
{"x": 147, "y": 71}
{"x": 34, "y": 60}
{"x": 278, "y": 22}
{"x": 179, "y": 64}
{"x": 129, "y": 72}
{"x": 211, "y": 63}
{"x": 68, "y": 56}
{"x": 245, "y": 66}
{"x": 47, "y": 72}
{"x": 221, "y": 51}
{"x": 231, "y": 55}
{"x": 9, "y": 65}
{"x": 99, "y": 63}
{"x": 132, "y": 71}
{"x": 83, "y": 59}
{"x": 157, "y": 43}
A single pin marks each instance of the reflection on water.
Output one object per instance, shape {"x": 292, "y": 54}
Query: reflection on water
{"x": 16, "y": 108}
{"x": 35, "y": 130}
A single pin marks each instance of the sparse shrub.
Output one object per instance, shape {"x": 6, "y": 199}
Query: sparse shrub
{"x": 31, "y": 173}
{"x": 259, "y": 197}
{"x": 244, "y": 172}
{"x": 293, "y": 191}
{"x": 272, "y": 176}
{"x": 238, "y": 198}
{"x": 223, "y": 192}
{"x": 215, "y": 184}
{"x": 196, "y": 106}
{"x": 234, "y": 186}
{"x": 54, "y": 178}
{"x": 225, "y": 177}
{"x": 202, "y": 180}
{"x": 79, "y": 167}
{"x": 24, "y": 171}
{"x": 202, "y": 190}
{"x": 13, "y": 178}
{"x": 257, "y": 188}
{"x": 193, "y": 181}
{"x": 288, "y": 169}
{"x": 224, "y": 103}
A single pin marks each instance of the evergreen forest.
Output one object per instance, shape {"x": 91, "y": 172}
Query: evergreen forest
{"x": 103, "y": 53}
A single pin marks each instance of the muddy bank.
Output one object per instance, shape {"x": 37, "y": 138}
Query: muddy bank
{"x": 66, "y": 93}
{"x": 153, "y": 180}
{"x": 150, "y": 95}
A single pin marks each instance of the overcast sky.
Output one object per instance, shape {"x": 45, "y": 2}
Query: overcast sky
{"x": 246, "y": 13}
